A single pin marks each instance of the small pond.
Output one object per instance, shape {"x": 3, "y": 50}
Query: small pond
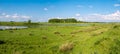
{"x": 12, "y": 27}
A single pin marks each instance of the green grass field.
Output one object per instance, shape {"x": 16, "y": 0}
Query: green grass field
{"x": 93, "y": 38}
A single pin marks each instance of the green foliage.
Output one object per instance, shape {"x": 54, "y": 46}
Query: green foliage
{"x": 54, "y": 21}
{"x": 29, "y": 21}
{"x": 69, "y": 20}
{"x": 12, "y": 23}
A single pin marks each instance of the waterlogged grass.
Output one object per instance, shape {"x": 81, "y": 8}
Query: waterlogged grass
{"x": 95, "y": 38}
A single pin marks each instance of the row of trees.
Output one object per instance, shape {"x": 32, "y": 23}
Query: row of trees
{"x": 69, "y": 20}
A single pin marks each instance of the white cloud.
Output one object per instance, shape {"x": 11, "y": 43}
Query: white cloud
{"x": 25, "y": 16}
{"x": 112, "y": 16}
{"x": 101, "y": 17}
{"x": 7, "y": 16}
{"x": 4, "y": 15}
{"x": 45, "y": 9}
{"x": 116, "y": 5}
{"x": 15, "y": 16}
{"x": 77, "y": 15}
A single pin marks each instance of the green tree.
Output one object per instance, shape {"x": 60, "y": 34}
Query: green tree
{"x": 54, "y": 20}
{"x": 29, "y": 21}
{"x": 69, "y": 20}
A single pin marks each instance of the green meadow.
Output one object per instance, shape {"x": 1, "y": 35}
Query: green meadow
{"x": 62, "y": 38}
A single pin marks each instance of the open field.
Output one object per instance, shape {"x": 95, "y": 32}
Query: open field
{"x": 88, "y": 38}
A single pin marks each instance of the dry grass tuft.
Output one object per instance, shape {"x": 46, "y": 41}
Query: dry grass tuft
{"x": 66, "y": 47}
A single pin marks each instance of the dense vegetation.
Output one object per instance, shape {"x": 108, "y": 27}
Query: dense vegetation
{"x": 69, "y": 20}
{"x": 63, "y": 38}
{"x": 12, "y": 23}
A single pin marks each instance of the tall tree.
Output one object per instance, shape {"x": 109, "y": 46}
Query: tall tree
{"x": 29, "y": 21}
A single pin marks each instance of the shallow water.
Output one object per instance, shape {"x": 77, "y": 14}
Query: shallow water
{"x": 12, "y": 27}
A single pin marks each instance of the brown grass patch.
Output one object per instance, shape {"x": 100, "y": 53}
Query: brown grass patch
{"x": 66, "y": 47}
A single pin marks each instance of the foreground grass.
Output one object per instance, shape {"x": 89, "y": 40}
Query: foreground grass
{"x": 93, "y": 39}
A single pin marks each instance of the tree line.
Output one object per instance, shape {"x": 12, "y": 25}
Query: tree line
{"x": 68, "y": 20}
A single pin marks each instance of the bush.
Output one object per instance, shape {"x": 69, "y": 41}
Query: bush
{"x": 2, "y": 42}
{"x": 56, "y": 32}
{"x": 31, "y": 34}
{"x": 116, "y": 26}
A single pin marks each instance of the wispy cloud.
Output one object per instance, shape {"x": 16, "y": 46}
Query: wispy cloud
{"x": 79, "y": 6}
{"x": 15, "y": 16}
{"x": 77, "y": 15}
{"x": 45, "y": 9}
{"x": 116, "y": 5}
{"x": 4, "y": 15}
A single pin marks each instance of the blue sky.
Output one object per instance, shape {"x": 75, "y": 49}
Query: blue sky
{"x": 42, "y": 10}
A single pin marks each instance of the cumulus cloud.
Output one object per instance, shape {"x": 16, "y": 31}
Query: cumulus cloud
{"x": 77, "y": 15}
{"x": 45, "y": 9}
{"x": 116, "y": 5}
{"x": 113, "y": 16}
{"x": 4, "y": 15}
{"x": 103, "y": 17}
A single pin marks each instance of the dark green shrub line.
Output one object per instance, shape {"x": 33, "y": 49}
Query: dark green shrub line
{"x": 69, "y": 20}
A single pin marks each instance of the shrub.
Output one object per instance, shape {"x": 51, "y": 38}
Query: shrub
{"x": 2, "y": 42}
{"x": 68, "y": 20}
{"x": 1, "y": 29}
{"x": 31, "y": 34}
{"x": 66, "y": 47}
{"x": 56, "y": 32}
{"x": 30, "y": 47}
{"x": 116, "y": 26}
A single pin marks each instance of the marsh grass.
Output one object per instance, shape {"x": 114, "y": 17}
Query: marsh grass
{"x": 52, "y": 39}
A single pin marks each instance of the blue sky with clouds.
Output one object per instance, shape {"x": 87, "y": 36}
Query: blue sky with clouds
{"x": 42, "y": 10}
